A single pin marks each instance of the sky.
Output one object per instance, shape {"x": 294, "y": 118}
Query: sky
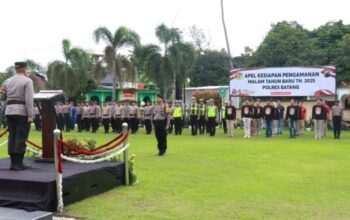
{"x": 34, "y": 29}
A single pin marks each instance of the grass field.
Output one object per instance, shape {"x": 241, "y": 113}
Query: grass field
{"x": 220, "y": 178}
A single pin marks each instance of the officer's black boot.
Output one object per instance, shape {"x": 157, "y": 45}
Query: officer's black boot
{"x": 13, "y": 162}
{"x": 19, "y": 165}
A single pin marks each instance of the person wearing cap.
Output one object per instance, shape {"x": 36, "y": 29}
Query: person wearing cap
{"x": 223, "y": 116}
{"x": 147, "y": 112}
{"x": 106, "y": 117}
{"x": 337, "y": 115}
{"x": 94, "y": 114}
{"x": 178, "y": 117}
{"x": 79, "y": 116}
{"x": 161, "y": 122}
{"x": 202, "y": 113}
{"x": 319, "y": 113}
{"x": 194, "y": 116}
{"x": 230, "y": 117}
{"x": 133, "y": 117}
{"x": 18, "y": 92}
{"x": 247, "y": 114}
{"x": 86, "y": 116}
{"x": 212, "y": 117}
{"x": 125, "y": 113}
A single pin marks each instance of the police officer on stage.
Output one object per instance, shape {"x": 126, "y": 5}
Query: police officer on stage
{"x": 18, "y": 91}
{"x": 161, "y": 123}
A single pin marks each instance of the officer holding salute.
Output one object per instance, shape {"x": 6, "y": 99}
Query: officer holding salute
{"x": 18, "y": 91}
{"x": 161, "y": 123}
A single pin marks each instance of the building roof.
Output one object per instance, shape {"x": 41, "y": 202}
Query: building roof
{"x": 206, "y": 87}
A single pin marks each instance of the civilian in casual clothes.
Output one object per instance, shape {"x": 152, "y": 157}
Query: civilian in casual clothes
{"x": 292, "y": 116}
{"x": 337, "y": 115}
{"x": 257, "y": 118}
{"x": 318, "y": 115}
{"x": 268, "y": 116}
{"x": 301, "y": 119}
{"x": 247, "y": 114}
{"x": 230, "y": 116}
{"x": 274, "y": 119}
{"x": 280, "y": 117}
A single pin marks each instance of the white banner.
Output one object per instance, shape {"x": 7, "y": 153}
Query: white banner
{"x": 283, "y": 81}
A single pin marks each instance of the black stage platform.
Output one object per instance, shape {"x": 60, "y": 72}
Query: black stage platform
{"x": 35, "y": 189}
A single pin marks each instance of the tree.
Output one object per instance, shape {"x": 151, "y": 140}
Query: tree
{"x": 286, "y": 44}
{"x": 342, "y": 61}
{"x": 71, "y": 75}
{"x": 200, "y": 40}
{"x": 122, "y": 38}
{"x": 211, "y": 68}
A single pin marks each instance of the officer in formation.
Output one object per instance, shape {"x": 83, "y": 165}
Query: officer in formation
{"x": 337, "y": 115}
{"x": 212, "y": 117}
{"x": 223, "y": 116}
{"x": 161, "y": 123}
{"x": 178, "y": 114}
{"x": 37, "y": 119}
{"x": 202, "y": 116}
{"x": 147, "y": 116}
{"x": 18, "y": 92}
{"x": 194, "y": 116}
{"x": 106, "y": 116}
{"x": 134, "y": 115}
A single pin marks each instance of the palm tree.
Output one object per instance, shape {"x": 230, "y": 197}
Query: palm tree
{"x": 122, "y": 38}
{"x": 168, "y": 37}
{"x": 72, "y": 74}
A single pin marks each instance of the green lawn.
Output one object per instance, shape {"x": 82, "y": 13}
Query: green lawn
{"x": 220, "y": 178}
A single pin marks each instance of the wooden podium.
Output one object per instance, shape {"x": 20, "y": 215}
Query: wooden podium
{"x": 48, "y": 119}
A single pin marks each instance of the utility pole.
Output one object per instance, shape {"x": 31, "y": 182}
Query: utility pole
{"x": 225, "y": 31}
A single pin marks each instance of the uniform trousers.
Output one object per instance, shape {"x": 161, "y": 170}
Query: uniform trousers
{"x": 178, "y": 126}
{"x": 161, "y": 135}
{"x": 106, "y": 122}
{"x": 337, "y": 126}
{"x": 194, "y": 124}
{"x": 18, "y": 127}
{"x": 211, "y": 129}
{"x": 201, "y": 124}
{"x": 148, "y": 126}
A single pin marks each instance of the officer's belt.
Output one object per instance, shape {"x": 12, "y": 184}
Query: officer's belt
{"x": 15, "y": 102}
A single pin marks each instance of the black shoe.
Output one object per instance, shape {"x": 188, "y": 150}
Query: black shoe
{"x": 19, "y": 165}
{"x": 13, "y": 161}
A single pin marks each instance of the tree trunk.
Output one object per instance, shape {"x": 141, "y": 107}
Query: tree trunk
{"x": 225, "y": 31}
{"x": 174, "y": 88}
{"x": 114, "y": 86}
